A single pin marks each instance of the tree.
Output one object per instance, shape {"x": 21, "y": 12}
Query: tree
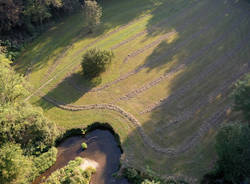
{"x": 242, "y": 97}
{"x": 93, "y": 14}
{"x": 14, "y": 166}
{"x": 95, "y": 61}
{"x": 20, "y": 122}
{"x": 10, "y": 11}
{"x": 233, "y": 149}
{"x": 12, "y": 85}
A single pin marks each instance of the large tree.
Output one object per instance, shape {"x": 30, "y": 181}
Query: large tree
{"x": 20, "y": 122}
{"x": 93, "y": 14}
{"x": 10, "y": 11}
{"x": 233, "y": 149}
{"x": 14, "y": 166}
{"x": 242, "y": 97}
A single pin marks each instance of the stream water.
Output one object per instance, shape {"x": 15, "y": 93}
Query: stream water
{"x": 102, "y": 148}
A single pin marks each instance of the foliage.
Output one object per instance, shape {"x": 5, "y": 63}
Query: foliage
{"x": 84, "y": 146}
{"x": 72, "y": 174}
{"x": 150, "y": 182}
{"x": 14, "y": 166}
{"x": 43, "y": 162}
{"x": 27, "y": 126}
{"x": 12, "y": 85}
{"x": 95, "y": 61}
{"x": 19, "y": 121}
{"x": 22, "y": 13}
{"x": 93, "y": 14}
{"x": 137, "y": 177}
{"x": 242, "y": 97}
{"x": 233, "y": 149}
{"x": 10, "y": 11}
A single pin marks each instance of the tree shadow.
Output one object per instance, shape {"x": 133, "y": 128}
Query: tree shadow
{"x": 69, "y": 90}
{"x": 197, "y": 100}
{"x": 59, "y": 38}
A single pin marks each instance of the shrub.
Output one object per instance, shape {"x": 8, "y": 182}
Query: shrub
{"x": 44, "y": 161}
{"x": 150, "y": 182}
{"x": 72, "y": 173}
{"x": 84, "y": 146}
{"x": 14, "y": 166}
{"x": 95, "y": 61}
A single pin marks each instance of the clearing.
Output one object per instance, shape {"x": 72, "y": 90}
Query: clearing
{"x": 168, "y": 87}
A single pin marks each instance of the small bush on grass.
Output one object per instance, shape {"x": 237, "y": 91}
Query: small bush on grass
{"x": 96, "y": 61}
{"x": 84, "y": 146}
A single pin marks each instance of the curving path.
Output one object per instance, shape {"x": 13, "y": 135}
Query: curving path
{"x": 216, "y": 118}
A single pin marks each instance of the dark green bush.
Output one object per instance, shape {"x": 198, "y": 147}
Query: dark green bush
{"x": 95, "y": 61}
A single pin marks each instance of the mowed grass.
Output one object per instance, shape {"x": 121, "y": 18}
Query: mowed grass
{"x": 188, "y": 75}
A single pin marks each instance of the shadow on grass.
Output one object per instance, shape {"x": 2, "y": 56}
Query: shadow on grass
{"x": 60, "y": 37}
{"x": 69, "y": 90}
{"x": 194, "y": 98}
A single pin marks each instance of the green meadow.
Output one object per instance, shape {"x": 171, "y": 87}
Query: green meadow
{"x": 174, "y": 68}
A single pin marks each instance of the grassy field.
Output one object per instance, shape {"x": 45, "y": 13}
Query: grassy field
{"x": 174, "y": 67}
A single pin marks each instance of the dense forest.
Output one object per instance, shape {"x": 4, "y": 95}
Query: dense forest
{"x": 23, "y": 20}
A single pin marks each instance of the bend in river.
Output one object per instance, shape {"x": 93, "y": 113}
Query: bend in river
{"x": 102, "y": 149}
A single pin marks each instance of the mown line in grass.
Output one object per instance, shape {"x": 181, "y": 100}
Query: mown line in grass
{"x": 216, "y": 118}
{"x": 139, "y": 51}
{"x": 188, "y": 61}
{"x": 219, "y": 62}
{"x": 222, "y": 90}
{"x": 57, "y": 62}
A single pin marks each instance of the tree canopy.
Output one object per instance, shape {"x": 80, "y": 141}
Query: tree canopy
{"x": 242, "y": 97}
{"x": 14, "y": 166}
{"x": 233, "y": 149}
{"x": 93, "y": 14}
{"x": 95, "y": 61}
{"x": 20, "y": 122}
